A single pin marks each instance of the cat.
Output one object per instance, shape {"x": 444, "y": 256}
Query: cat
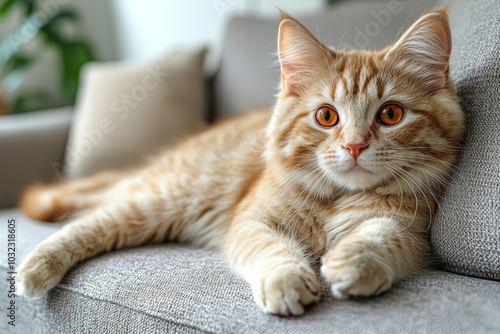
{"x": 344, "y": 172}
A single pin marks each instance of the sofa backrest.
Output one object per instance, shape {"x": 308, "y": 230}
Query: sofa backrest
{"x": 466, "y": 230}
{"x": 31, "y": 147}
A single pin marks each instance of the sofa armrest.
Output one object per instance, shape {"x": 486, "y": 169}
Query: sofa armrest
{"x": 31, "y": 147}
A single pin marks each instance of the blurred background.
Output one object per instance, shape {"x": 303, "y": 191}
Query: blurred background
{"x": 43, "y": 43}
{"x": 93, "y": 85}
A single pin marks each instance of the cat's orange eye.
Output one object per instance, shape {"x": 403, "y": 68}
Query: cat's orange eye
{"x": 390, "y": 114}
{"x": 326, "y": 116}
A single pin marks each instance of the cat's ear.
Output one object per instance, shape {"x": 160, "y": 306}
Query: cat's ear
{"x": 425, "y": 49}
{"x": 301, "y": 55}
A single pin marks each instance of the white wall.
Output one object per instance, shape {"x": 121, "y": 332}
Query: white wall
{"x": 147, "y": 29}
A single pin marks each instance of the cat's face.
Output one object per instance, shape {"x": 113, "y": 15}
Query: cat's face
{"x": 360, "y": 119}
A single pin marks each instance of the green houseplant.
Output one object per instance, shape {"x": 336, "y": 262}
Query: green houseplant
{"x": 39, "y": 26}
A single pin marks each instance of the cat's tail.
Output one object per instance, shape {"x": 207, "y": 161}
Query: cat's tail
{"x": 40, "y": 203}
{"x": 57, "y": 201}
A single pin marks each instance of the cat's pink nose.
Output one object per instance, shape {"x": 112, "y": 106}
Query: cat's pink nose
{"x": 355, "y": 149}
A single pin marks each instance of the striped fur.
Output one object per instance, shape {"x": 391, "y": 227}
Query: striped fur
{"x": 276, "y": 192}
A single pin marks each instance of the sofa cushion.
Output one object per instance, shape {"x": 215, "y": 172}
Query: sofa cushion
{"x": 173, "y": 288}
{"x": 466, "y": 231}
{"x": 126, "y": 111}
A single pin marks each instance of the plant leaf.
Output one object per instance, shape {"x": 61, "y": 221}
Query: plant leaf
{"x": 32, "y": 101}
{"x": 20, "y": 62}
{"x": 52, "y": 27}
{"x": 15, "y": 72}
{"x": 15, "y": 41}
{"x": 66, "y": 14}
{"x": 6, "y": 5}
{"x": 73, "y": 55}
{"x": 30, "y": 7}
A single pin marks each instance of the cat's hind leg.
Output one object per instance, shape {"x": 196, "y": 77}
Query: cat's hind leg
{"x": 150, "y": 206}
{"x": 53, "y": 202}
{"x": 131, "y": 220}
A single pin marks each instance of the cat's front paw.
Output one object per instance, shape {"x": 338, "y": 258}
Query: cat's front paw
{"x": 355, "y": 272}
{"x": 286, "y": 290}
{"x": 38, "y": 273}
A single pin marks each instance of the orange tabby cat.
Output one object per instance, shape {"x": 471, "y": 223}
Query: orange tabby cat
{"x": 347, "y": 167}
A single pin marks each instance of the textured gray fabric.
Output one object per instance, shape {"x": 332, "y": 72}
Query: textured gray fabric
{"x": 29, "y": 144}
{"x": 174, "y": 288}
{"x": 249, "y": 76}
{"x": 466, "y": 231}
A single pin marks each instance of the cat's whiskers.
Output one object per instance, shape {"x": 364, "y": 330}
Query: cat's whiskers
{"x": 413, "y": 178}
{"x": 421, "y": 154}
{"x": 438, "y": 178}
{"x": 401, "y": 193}
{"x": 431, "y": 216}
{"x": 402, "y": 176}
{"x": 421, "y": 158}
{"x": 429, "y": 191}
{"x": 422, "y": 184}
{"x": 451, "y": 148}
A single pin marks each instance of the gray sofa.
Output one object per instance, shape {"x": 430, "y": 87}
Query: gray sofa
{"x": 176, "y": 288}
